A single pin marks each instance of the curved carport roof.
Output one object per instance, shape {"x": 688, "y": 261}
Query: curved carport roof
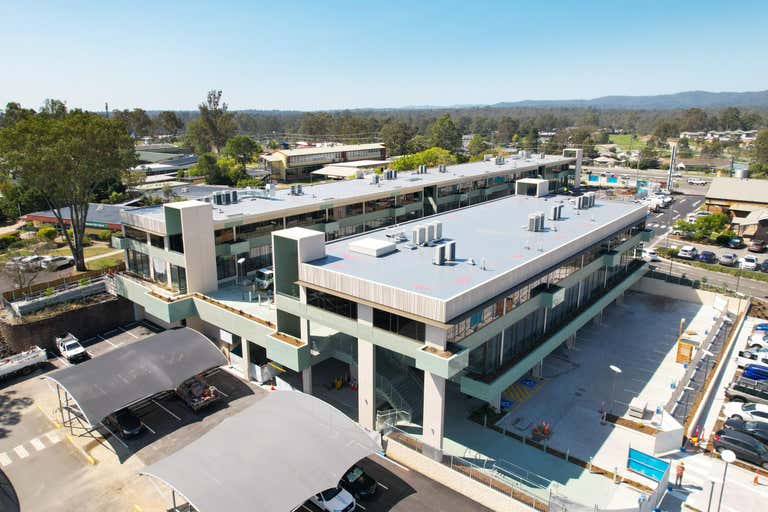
{"x": 125, "y": 375}
{"x": 272, "y": 456}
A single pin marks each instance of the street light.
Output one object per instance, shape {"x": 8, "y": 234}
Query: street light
{"x": 728, "y": 456}
{"x": 616, "y": 371}
{"x": 238, "y": 264}
{"x": 707, "y": 355}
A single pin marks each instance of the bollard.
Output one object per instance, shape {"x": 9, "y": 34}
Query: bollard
{"x": 589, "y": 465}
{"x": 567, "y": 454}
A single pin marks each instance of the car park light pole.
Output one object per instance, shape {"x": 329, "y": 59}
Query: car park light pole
{"x": 615, "y": 371}
{"x": 728, "y": 456}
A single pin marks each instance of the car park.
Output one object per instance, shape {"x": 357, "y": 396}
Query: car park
{"x": 746, "y": 411}
{"x": 756, "y": 245}
{"x": 758, "y": 340}
{"x": 358, "y": 483}
{"x": 761, "y": 327}
{"x": 707, "y": 257}
{"x": 688, "y": 252}
{"x": 756, "y": 372}
{"x": 52, "y": 263}
{"x": 197, "y": 393}
{"x": 650, "y": 255}
{"x": 728, "y": 259}
{"x": 756, "y": 429}
{"x": 32, "y": 262}
{"x": 13, "y": 263}
{"x": 764, "y": 266}
{"x": 334, "y": 500}
{"x": 736, "y": 242}
{"x": 744, "y": 446}
{"x": 124, "y": 423}
{"x": 749, "y": 262}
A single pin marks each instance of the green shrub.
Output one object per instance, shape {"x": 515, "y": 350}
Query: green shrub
{"x": 47, "y": 234}
{"x": 105, "y": 235}
{"x": 7, "y": 241}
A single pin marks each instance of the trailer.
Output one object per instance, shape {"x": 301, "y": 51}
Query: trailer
{"x": 23, "y": 363}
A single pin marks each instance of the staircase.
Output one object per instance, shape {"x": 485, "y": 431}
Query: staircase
{"x": 395, "y": 379}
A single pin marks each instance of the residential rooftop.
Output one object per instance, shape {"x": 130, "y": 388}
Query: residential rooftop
{"x": 355, "y": 190}
{"x": 494, "y": 249}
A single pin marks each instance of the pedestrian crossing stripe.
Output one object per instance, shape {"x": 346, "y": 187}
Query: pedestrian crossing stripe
{"x": 22, "y": 452}
{"x": 5, "y": 460}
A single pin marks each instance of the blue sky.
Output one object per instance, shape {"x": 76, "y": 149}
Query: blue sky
{"x": 337, "y": 54}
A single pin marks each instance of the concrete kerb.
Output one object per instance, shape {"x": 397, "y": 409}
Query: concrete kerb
{"x": 88, "y": 457}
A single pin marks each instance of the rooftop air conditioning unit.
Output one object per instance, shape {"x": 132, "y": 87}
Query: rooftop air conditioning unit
{"x": 536, "y": 221}
{"x": 438, "y": 230}
{"x": 450, "y": 251}
{"x": 419, "y": 235}
{"x": 374, "y": 178}
{"x": 439, "y": 257}
{"x": 299, "y": 190}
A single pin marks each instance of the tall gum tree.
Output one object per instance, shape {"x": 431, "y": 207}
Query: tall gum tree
{"x": 66, "y": 157}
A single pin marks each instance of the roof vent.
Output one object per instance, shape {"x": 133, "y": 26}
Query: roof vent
{"x": 450, "y": 251}
{"x": 536, "y": 221}
{"x": 439, "y": 257}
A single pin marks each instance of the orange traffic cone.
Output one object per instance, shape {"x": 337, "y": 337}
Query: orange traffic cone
{"x": 755, "y": 480}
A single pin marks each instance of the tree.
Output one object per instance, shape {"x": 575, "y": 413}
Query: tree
{"x": 430, "y": 157}
{"x": 14, "y": 113}
{"x": 761, "y": 148}
{"x": 506, "y": 129}
{"x": 66, "y": 159}
{"x": 47, "y": 234}
{"x": 684, "y": 148}
{"x": 53, "y": 107}
{"x": 730, "y": 119}
{"x": 216, "y": 124}
{"x": 444, "y": 134}
{"x": 418, "y": 143}
{"x": 395, "y": 136}
{"x": 242, "y": 149}
{"x": 477, "y": 146}
{"x": 140, "y": 122}
{"x": 169, "y": 122}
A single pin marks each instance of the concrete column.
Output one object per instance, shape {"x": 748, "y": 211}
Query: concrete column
{"x": 353, "y": 372}
{"x": 138, "y": 312}
{"x": 366, "y": 384}
{"x": 246, "y": 358}
{"x": 570, "y": 342}
{"x": 538, "y": 370}
{"x": 620, "y": 298}
{"x": 434, "y": 414}
{"x": 306, "y": 380}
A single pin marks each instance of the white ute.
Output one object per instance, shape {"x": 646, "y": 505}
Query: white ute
{"x": 70, "y": 348}
{"x": 334, "y": 500}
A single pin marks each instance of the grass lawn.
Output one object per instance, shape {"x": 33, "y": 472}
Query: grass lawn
{"x": 622, "y": 140}
{"x": 93, "y": 250}
{"x": 109, "y": 261}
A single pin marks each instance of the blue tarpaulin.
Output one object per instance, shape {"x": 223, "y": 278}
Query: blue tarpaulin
{"x": 646, "y": 465}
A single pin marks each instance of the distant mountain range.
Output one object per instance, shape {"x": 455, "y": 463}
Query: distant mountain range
{"x": 687, "y": 99}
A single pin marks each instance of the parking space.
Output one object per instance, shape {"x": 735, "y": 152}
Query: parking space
{"x": 400, "y": 490}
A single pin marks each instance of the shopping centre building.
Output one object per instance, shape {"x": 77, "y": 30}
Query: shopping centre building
{"x": 463, "y": 277}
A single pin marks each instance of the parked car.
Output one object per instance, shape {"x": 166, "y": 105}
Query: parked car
{"x": 691, "y": 217}
{"x": 32, "y": 262}
{"x": 764, "y": 266}
{"x": 756, "y": 372}
{"x": 264, "y": 278}
{"x": 697, "y": 181}
{"x": 52, "y": 263}
{"x": 677, "y": 174}
{"x": 13, "y": 263}
{"x": 650, "y": 255}
{"x": 743, "y": 445}
{"x": 747, "y": 390}
{"x": 334, "y": 500}
{"x": 758, "y": 340}
{"x": 707, "y": 257}
{"x": 736, "y": 242}
{"x": 124, "y": 423}
{"x": 761, "y": 326}
{"x": 688, "y": 252}
{"x": 752, "y": 356}
{"x": 746, "y": 412}
{"x": 756, "y": 429}
{"x": 756, "y": 245}
{"x": 70, "y": 348}
{"x": 749, "y": 262}
{"x": 358, "y": 483}
{"x": 728, "y": 259}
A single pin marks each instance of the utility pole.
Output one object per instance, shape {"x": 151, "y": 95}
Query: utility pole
{"x": 106, "y": 109}
{"x": 671, "y": 167}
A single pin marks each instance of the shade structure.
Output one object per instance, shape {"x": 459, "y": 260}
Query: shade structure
{"x": 128, "y": 374}
{"x": 271, "y": 456}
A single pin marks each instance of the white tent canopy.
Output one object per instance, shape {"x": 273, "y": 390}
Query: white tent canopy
{"x": 272, "y": 456}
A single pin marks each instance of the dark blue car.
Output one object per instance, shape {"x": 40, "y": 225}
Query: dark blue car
{"x": 756, "y": 372}
{"x": 708, "y": 257}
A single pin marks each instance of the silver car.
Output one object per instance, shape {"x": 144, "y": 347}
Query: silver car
{"x": 728, "y": 259}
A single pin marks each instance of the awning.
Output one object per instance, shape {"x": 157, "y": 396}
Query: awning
{"x": 754, "y": 217}
{"x": 272, "y": 456}
{"x": 125, "y": 375}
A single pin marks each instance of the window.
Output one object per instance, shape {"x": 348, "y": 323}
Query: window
{"x": 135, "y": 234}
{"x": 258, "y": 229}
{"x": 176, "y": 243}
{"x": 159, "y": 268}
{"x": 157, "y": 241}
{"x": 138, "y": 263}
{"x": 179, "y": 278}
{"x": 225, "y": 267}
{"x": 224, "y": 236}
{"x": 305, "y": 219}
{"x": 332, "y": 303}
{"x": 399, "y": 325}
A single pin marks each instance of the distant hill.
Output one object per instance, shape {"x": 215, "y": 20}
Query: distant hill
{"x": 688, "y": 99}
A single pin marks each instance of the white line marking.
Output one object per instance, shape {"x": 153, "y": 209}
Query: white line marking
{"x": 676, "y": 216}
{"x": 658, "y": 215}
{"x": 129, "y": 332}
{"x": 697, "y": 203}
{"x": 53, "y": 436}
{"x": 64, "y": 361}
{"x": 5, "y": 460}
{"x": 165, "y": 409}
{"x": 306, "y": 508}
{"x": 360, "y": 507}
{"x": 147, "y": 427}
{"x": 631, "y": 391}
{"x": 37, "y": 444}
{"x": 382, "y": 486}
{"x": 393, "y": 462}
{"x": 223, "y": 393}
{"x": 105, "y": 339}
{"x": 21, "y": 452}
{"x": 683, "y": 200}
